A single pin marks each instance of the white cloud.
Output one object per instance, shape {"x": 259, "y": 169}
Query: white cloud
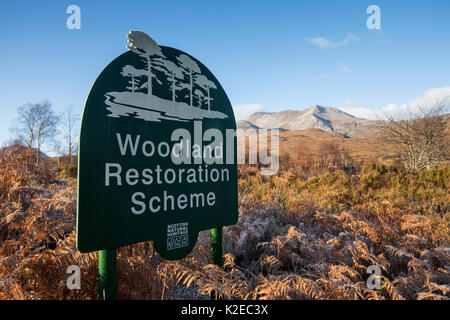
{"x": 356, "y": 108}
{"x": 345, "y": 68}
{"x": 242, "y": 111}
{"x": 393, "y": 108}
{"x": 425, "y": 101}
{"x": 432, "y": 95}
{"x": 321, "y": 42}
{"x": 349, "y": 37}
{"x": 322, "y": 76}
{"x": 324, "y": 43}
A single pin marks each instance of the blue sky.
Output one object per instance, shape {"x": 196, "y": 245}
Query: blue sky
{"x": 268, "y": 55}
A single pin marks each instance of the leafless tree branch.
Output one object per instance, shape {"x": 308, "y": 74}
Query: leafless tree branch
{"x": 421, "y": 135}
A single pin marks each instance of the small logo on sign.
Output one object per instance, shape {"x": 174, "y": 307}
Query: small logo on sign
{"x": 177, "y": 236}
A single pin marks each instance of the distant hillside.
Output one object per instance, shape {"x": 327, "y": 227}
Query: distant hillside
{"x": 318, "y": 117}
{"x": 308, "y": 142}
{"x": 34, "y": 150}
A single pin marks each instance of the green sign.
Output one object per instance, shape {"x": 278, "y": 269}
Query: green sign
{"x": 157, "y": 152}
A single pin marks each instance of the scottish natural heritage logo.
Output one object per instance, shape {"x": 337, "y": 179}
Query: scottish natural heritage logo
{"x": 188, "y": 88}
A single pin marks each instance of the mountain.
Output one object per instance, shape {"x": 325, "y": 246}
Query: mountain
{"x": 243, "y": 124}
{"x": 317, "y": 117}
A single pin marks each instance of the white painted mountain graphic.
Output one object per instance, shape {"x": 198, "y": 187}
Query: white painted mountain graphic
{"x": 184, "y": 75}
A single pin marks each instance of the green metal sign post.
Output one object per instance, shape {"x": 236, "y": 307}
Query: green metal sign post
{"x": 216, "y": 238}
{"x": 107, "y": 279}
{"x": 216, "y": 246}
{"x": 157, "y": 157}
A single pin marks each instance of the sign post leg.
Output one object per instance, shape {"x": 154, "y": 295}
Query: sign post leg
{"x": 216, "y": 250}
{"x": 107, "y": 274}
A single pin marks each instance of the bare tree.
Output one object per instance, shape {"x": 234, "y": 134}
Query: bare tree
{"x": 12, "y": 142}
{"x": 56, "y": 148}
{"x": 70, "y": 130}
{"x": 329, "y": 154}
{"x": 420, "y": 137}
{"x": 26, "y": 125}
{"x": 36, "y": 123}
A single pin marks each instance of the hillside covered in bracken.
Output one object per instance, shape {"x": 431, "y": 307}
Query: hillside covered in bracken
{"x": 299, "y": 236}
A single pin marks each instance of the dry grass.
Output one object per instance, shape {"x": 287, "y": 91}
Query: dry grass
{"x": 309, "y": 142}
{"x": 297, "y": 238}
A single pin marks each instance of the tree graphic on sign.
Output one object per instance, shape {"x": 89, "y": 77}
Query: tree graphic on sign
{"x": 181, "y": 72}
{"x": 191, "y": 68}
{"x": 200, "y": 96}
{"x": 141, "y": 44}
{"x": 175, "y": 76}
{"x": 206, "y": 84}
{"x": 134, "y": 74}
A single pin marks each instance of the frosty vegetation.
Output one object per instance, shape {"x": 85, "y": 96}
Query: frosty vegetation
{"x": 297, "y": 237}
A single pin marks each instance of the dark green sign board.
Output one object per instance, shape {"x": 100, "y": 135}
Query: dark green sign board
{"x": 157, "y": 153}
